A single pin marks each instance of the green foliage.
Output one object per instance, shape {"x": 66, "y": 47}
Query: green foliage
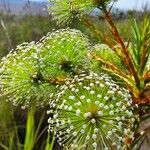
{"x": 141, "y": 45}
{"x": 89, "y": 110}
{"x": 34, "y": 132}
{"x": 133, "y": 57}
{"x": 129, "y": 63}
{"x": 8, "y": 129}
{"x": 14, "y": 137}
{"x": 22, "y": 29}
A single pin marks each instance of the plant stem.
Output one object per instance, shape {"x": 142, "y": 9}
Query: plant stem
{"x": 127, "y": 60}
{"x": 29, "y": 138}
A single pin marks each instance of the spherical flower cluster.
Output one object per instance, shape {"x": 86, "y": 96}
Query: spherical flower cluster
{"x": 29, "y": 74}
{"x": 92, "y": 112}
{"x": 66, "y": 53}
{"x": 100, "y": 3}
{"x": 64, "y": 11}
{"x": 21, "y": 78}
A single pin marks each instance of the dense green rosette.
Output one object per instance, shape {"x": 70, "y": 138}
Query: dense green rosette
{"x": 65, "y": 52}
{"x": 21, "y": 78}
{"x": 92, "y": 112}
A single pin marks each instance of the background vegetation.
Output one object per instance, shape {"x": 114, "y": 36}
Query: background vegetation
{"x": 16, "y": 29}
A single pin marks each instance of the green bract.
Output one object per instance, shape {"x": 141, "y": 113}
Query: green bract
{"x": 65, "y": 52}
{"x": 92, "y": 112}
{"x": 21, "y": 78}
{"x": 64, "y": 11}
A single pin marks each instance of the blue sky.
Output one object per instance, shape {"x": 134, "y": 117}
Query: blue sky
{"x": 126, "y": 4}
